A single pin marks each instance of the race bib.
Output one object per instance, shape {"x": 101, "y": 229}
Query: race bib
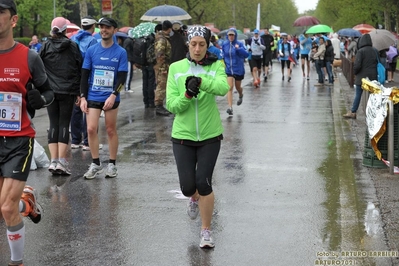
{"x": 10, "y": 111}
{"x": 103, "y": 79}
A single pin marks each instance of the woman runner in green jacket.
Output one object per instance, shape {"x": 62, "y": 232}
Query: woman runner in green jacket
{"x": 192, "y": 86}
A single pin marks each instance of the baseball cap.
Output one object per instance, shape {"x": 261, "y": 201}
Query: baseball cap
{"x": 256, "y": 31}
{"x": 231, "y": 32}
{"x": 8, "y": 4}
{"x": 59, "y": 24}
{"x": 88, "y": 20}
{"x": 108, "y": 22}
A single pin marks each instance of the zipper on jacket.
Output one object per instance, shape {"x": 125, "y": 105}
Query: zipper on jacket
{"x": 196, "y": 119}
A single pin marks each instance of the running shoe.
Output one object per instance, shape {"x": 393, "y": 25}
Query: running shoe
{"x": 62, "y": 168}
{"x": 13, "y": 264}
{"x": 230, "y": 111}
{"x": 192, "y": 208}
{"x": 206, "y": 239}
{"x": 239, "y": 102}
{"x": 87, "y": 148}
{"x": 93, "y": 171}
{"x": 289, "y": 79}
{"x": 52, "y": 167}
{"x": 29, "y": 195}
{"x": 76, "y": 146}
{"x": 111, "y": 171}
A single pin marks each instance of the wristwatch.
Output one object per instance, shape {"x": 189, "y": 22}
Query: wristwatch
{"x": 82, "y": 95}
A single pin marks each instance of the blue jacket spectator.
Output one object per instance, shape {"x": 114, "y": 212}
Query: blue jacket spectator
{"x": 84, "y": 39}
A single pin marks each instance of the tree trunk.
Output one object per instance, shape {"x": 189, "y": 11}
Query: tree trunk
{"x": 397, "y": 23}
{"x": 83, "y": 8}
{"x": 387, "y": 19}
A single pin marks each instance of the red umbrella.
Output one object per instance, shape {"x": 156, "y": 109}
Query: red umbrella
{"x": 306, "y": 21}
{"x": 363, "y": 28}
{"x": 125, "y": 29}
{"x": 214, "y": 30}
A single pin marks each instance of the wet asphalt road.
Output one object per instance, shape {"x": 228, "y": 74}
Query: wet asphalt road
{"x": 286, "y": 191}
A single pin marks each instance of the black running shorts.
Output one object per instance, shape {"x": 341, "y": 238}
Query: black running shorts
{"x": 100, "y": 105}
{"x": 267, "y": 58}
{"x": 15, "y": 157}
{"x": 236, "y": 77}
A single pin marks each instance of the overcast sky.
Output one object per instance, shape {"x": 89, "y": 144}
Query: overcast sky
{"x": 303, "y": 5}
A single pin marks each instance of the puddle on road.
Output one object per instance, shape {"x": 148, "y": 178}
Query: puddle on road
{"x": 351, "y": 223}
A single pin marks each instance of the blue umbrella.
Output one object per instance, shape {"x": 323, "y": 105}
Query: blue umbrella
{"x": 349, "y": 32}
{"x": 121, "y": 34}
{"x": 165, "y": 12}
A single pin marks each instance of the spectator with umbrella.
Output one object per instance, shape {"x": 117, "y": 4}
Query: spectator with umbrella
{"x": 178, "y": 42}
{"x": 146, "y": 29}
{"x": 319, "y": 61}
{"x": 392, "y": 57}
{"x": 365, "y": 66}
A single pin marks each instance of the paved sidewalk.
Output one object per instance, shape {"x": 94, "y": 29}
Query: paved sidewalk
{"x": 386, "y": 185}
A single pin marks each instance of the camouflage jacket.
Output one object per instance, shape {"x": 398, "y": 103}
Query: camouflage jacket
{"x": 163, "y": 51}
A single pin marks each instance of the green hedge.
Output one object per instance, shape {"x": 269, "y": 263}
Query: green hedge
{"x": 23, "y": 40}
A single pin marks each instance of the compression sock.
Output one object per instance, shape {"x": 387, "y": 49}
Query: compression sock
{"x": 16, "y": 241}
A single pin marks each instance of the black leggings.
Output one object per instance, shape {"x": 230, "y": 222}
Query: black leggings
{"x": 195, "y": 166}
{"x": 59, "y": 113}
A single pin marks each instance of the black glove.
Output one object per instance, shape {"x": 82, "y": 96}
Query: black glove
{"x": 192, "y": 86}
{"x": 257, "y": 42}
{"x": 35, "y": 99}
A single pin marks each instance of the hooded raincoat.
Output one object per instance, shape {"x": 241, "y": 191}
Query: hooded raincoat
{"x": 234, "y": 57}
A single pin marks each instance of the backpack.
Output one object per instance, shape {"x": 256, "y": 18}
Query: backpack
{"x": 143, "y": 50}
{"x": 380, "y": 71}
{"x": 150, "y": 55}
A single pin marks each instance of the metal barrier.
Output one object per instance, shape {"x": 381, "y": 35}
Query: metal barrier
{"x": 347, "y": 70}
{"x": 391, "y": 151}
